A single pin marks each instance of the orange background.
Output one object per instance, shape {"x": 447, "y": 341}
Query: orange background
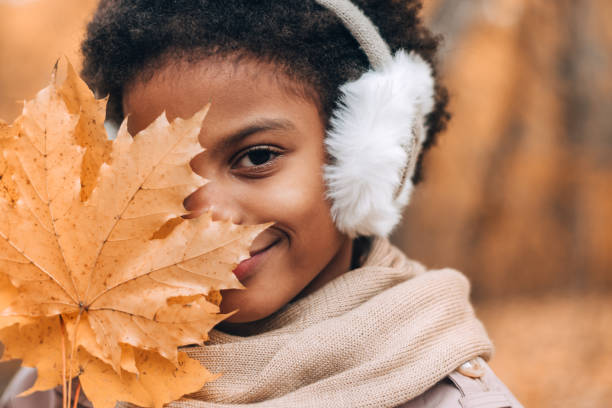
{"x": 518, "y": 191}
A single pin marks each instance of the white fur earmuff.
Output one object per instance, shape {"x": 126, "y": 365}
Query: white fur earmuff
{"x": 376, "y": 136}
{"x": 377, "y": 132}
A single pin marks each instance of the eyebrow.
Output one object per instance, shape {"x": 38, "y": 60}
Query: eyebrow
{"x": 256, "y": 126}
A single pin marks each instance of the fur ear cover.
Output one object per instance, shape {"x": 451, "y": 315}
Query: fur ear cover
{"x": 375, "y": 137}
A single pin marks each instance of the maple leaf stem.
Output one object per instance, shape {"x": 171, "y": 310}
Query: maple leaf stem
{"x": 72, "y": 350}
{"x": 76, "y": 395}
{"x": 64, "y": 401}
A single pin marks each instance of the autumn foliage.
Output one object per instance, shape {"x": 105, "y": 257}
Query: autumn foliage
{"x": 100, "y": 276}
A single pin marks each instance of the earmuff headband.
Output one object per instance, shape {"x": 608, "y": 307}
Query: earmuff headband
{"x": 362, "y": 29}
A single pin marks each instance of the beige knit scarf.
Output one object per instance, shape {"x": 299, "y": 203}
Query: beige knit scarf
{"x": 376, "y": 336}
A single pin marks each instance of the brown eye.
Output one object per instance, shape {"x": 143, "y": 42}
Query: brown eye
{"x": 257, "y": 156}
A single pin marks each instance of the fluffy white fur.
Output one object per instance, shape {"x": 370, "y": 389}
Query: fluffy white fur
{"x": 370, "y": 142}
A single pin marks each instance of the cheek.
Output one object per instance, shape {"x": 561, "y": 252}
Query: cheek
{"x": 298, "y": 193}
{"x": 295, "y": 197}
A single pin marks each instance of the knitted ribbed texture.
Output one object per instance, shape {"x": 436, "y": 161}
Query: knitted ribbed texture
{"x": 376, "y": 336}
{"x": 362, "y": 29}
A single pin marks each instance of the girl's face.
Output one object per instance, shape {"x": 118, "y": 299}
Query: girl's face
{"x": 263, "y": 159}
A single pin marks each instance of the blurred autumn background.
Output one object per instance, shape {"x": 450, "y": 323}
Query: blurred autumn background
{"x": 518, "y": 192}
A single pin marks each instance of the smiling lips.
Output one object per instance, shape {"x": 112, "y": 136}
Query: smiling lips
{"x": 248, "y": 267}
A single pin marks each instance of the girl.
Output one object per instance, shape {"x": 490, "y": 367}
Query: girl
{"x": 321, "y": 113}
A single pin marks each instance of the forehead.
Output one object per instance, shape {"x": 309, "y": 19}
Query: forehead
{"x": 239, "y": 92}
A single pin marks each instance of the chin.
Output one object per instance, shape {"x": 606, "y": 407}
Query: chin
{"x": 248, "y": 309}
{"x": 261, "y": 296}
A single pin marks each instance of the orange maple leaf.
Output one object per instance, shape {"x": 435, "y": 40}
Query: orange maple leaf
{"x": 96, "y": 262}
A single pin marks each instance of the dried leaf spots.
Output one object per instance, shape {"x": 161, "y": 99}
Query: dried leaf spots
{"x": 96, "y": 265}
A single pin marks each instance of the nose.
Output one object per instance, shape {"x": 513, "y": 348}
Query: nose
{"x": 213, "y": 197}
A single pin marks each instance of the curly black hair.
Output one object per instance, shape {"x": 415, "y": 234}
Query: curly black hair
{"x": 130, "y": 38}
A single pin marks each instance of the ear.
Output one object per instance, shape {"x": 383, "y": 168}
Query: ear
{"x": 377, "y": 132}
